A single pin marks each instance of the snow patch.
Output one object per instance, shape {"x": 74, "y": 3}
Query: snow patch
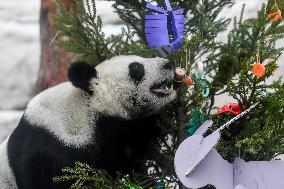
{"x": 8, "y": 122}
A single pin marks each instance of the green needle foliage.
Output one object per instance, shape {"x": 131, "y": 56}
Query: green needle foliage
{"x": 254, "y": 137}
{"x": 228, "y": 66}
{"x": 86, "y": 177}
{"x": 80, "y": 31}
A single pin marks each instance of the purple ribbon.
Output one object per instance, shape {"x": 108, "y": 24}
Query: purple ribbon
{"x": 159, "y": 35}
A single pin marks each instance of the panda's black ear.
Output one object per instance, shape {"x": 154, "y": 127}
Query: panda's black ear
{"x": 80, "y": 74}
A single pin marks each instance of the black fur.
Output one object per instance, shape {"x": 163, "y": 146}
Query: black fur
{"x": 168, "y": 66}
{"x": 136, "y": 72}
{"x": 36, "y": 156}
{"x": 80, "y": 74}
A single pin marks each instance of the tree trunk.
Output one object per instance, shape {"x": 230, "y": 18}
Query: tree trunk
{"x": 54, "y": 61}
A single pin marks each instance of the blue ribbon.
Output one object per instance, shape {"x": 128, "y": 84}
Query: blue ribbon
{"x": 157, "y": 31}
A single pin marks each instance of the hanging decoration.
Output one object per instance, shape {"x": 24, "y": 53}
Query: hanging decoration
{"x": 182, "y": 77}
{"x": 196, "y": 119}
{"x": 233, "y": 108}
{"x": 164, "y": 28}
{"x": 258, "y": 69}
{"x": 180, "y": 73}
{"x": 276, "y": 14}
{"x": 204, "y": 83}
{"x": 201, "y": 80}
{"x": 187, "y": 81}
{"x": 196, "y": 161}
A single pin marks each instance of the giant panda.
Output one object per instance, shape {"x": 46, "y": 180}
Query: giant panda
{"x": 105, "y": 116}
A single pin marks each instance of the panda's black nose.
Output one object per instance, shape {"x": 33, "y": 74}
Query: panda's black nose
{"x": 168, "y": 65}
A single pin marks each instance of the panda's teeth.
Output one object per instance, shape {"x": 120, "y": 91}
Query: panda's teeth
{"x": 163, "y": 88}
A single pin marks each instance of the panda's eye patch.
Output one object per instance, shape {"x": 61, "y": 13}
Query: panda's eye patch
{"x": 136, "y": 71}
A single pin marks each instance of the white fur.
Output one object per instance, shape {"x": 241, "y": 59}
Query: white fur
{"x": 7, "y": 179}
{"x": 113, "y": 87}
{"x": 63, "y": 111}
{"x": 68, "y": 114}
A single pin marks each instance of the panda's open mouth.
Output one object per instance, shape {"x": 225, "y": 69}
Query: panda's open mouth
{"x": 163, "y": 88}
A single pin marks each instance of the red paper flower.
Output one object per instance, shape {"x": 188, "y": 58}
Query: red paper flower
{"x": 233, "y": 108}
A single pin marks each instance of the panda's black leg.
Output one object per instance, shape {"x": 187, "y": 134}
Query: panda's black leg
{"x": 39, "y": 171}
{"x": 36, "y": 157}
{"x": 42, "y": 171}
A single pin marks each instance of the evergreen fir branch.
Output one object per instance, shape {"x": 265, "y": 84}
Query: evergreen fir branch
{"x": 262, "y": 133}
{"x": 80, "y": 31}
{"x": 249, "y": 37}
{"x": 85, "y": 177}
{"x": 258, "y": 134}
{"x": 132, "y": 13}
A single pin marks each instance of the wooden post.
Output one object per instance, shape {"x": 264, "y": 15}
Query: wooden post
{"x": 53, "y": 61}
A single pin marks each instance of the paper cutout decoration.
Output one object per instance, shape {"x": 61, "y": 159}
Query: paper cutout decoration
{"x": 201, "y": 79}
{"x": 187, "y": 81}
{"x": 276, "y": 15}
{"x": 198, "y": 164}
{"x": 204, "y": 127}
{"x": 195, "y": 121}
{"x": 233, "y": 108}
{"x": 164, "y": 28}
{"x": 204, "y": 83}
{"x": 258, "y": 70}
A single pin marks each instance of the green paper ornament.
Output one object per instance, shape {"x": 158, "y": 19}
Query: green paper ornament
{"x": 197, "y": 119}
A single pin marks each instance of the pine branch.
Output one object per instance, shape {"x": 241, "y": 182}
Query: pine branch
{"x": 80, "y": 31}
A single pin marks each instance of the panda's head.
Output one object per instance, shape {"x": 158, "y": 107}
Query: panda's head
{"x": 125, "y": 86}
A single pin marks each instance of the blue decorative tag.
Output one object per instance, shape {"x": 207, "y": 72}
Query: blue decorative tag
{"x": 164, "y": 28}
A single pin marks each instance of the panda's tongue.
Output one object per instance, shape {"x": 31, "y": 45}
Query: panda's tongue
{"x": 165, "y": 91}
